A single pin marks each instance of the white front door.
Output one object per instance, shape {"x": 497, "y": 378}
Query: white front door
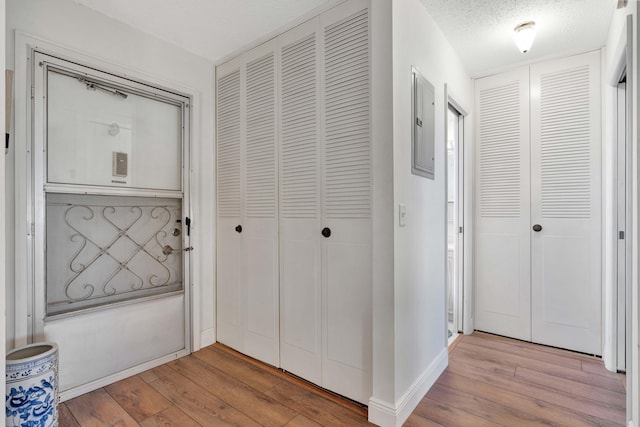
{"x": 111, "y": 221}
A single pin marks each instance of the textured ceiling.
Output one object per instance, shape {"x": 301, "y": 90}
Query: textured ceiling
{"x": 481, "y": 31}
{"x": 209, "y": 28}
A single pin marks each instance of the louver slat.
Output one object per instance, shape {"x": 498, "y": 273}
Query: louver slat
{"x": 500, "y": 152}
{"x": 229, "y": 145}
{"x": 260, "y": 181}
{"x": 299, "y": 187}
{"x": 347, "y": 172}
{"x": 565, "y": 143}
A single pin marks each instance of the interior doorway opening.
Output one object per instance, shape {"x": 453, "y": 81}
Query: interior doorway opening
{"x": 623, "y": 221}
{"x": 455, "y": 120}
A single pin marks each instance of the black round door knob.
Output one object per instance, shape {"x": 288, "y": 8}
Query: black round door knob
{"x": 326, "y": 232}
{"x": 537, "y": 228}
{"x": 239, "y": 228}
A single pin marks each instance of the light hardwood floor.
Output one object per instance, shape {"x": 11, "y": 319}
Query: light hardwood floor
{"x": 490, "y": 381}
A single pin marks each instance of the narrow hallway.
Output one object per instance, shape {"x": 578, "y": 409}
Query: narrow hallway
{"x": 493, "y": 380}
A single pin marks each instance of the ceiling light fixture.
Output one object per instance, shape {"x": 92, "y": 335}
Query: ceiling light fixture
{"x": 524, "y": 35}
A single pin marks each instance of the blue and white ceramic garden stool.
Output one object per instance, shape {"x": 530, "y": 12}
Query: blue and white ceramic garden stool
{"x": 31, "y": 395}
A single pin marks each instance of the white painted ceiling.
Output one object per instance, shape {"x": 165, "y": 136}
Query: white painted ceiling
{"x": 481, "y": 31}
{"x": 209, "y": 28}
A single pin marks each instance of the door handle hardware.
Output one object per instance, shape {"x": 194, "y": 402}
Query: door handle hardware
{"x": 239, "y": 228}
{"x": 187, "y": 222}
{"x": 326, "y": 232}
{"x": 537, "y": 228}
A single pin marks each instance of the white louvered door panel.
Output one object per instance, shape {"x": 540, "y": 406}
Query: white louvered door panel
{"x": 300, "y": 292}
{"x": 565, "y": 187}
{"x": 502, "y": 260}
{"x": 230, "y": 306}
{"x": 260, "y": 222}
{"x": 346, "y": 202}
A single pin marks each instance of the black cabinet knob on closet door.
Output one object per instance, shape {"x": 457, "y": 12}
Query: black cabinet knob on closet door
{"x": 537, "y": 228}
{"x": 326, "y": 232}
{"x": 239, "y": 228}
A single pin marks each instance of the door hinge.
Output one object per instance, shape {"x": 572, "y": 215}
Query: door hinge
{"x": 33, "y": 92}
{"x": 621, "y": 235}
{"x": 460, "y": 229}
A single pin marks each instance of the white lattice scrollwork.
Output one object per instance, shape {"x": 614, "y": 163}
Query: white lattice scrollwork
{"x": 101, "y": 250}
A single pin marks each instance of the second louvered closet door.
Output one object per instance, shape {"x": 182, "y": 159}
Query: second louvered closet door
{"x": 346, "y": 205}
{"x": 300, "y": 260}
{"x": 294, "y": 202}
{"x": 565, "y": 202}
{"x": 325, "y": 202}
{"x": 502, "y": 257}
{"x": 247, "y": 262}
{"x": 538, "y": 204}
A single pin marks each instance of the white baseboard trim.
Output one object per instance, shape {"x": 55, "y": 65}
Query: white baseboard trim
{"x": 207, "y": 337}
{"x": 386, "y": 414}
{"x": 110, "y": 379}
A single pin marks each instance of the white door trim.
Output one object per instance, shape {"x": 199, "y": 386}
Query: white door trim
{"x": 465, "y": 172}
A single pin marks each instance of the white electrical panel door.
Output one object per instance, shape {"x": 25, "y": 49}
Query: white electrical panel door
{"x": 502, "y": 253}
{"x": 300, "y": 259}
{"x": 565, "y": 203}
{"x": 346, "y": 202}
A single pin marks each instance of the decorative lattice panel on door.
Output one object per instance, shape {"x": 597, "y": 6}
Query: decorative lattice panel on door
{"x": 103, "y": 249}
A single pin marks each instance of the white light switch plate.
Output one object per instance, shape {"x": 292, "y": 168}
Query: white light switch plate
{"x": 402, "y": 214}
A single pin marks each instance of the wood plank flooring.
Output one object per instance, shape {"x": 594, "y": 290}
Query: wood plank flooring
{"x": 490, "y": 381}
{"x": 496, "y": 381}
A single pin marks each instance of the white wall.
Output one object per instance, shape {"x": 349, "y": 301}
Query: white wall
{"x": 612, "y": 52}
{"x": 614, "y": 44}
{"x": 75, "y": 27}
{"x": 383, "y": 207}
{"x": 420, "y": 248}
{"x": 3, "y": 227}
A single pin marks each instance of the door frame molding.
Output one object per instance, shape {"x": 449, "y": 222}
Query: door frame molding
{"x": 465, "y": 173}
{"x": 622, "y": 62}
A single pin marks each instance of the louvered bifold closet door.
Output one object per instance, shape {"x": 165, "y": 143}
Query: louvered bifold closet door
{"x": 229, "y": 313}
{"x": 260, "y": 225}
{"x": 565, "y": 202}
{"x": 346, "y": 202}
{"x": 502, "y": 260}
{"x": 300, "y": 285}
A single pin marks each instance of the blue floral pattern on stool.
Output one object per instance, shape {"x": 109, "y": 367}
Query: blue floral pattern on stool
{"x": 31, "y": 407}
{"x": 31, "y": 395}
